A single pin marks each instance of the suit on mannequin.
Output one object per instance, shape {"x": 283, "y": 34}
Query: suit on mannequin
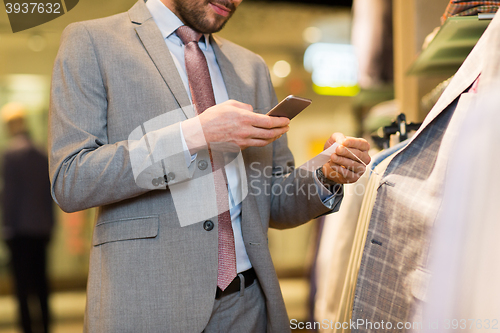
{"x": 394, "y": 273}
{"x": 465, "y": 243}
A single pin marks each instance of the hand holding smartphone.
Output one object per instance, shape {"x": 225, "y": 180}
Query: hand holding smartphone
{"x": 289, "y": 107}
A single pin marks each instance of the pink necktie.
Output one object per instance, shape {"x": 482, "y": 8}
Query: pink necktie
{"x": 202, "y": 94}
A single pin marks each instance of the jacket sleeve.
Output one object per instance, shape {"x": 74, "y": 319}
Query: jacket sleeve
{"x": 295, "y": 194}
{"x": 86, "y": 170}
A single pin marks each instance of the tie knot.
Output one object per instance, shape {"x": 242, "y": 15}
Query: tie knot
{"x": 187, "y": 35}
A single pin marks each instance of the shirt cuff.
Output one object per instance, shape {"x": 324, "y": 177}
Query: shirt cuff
{"x": 189, "y": 158}
{"x": 325, "y": 194}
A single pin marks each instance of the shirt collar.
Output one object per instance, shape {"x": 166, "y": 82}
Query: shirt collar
{"x": 168, "y": 22}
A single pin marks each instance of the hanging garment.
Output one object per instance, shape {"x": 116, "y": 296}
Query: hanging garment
{"x": 465, "y": 248}
{"x": 341, "y": 242}
{"x": 469, "y": 8}
{"x": 394, "y": 272}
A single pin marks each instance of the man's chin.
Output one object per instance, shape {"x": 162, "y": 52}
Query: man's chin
{"x": 219, "y": 27}
{"x": 215, "y": 25}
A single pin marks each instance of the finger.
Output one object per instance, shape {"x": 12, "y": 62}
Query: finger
{"x": 359, "y": 171}
{"x": 266, "y": 134}
{"x": 335, "y": 137}
{"x": 353, "y": 154}
{"x": 261, "y": 133}
{"x": 338, "y": 137}
{"x": 338, "y": 174}
{"x": 347, "y": 163}
{"x": 257, "y": 142}
{"x": 341, "y": 169}
{"x": 329, "y": 143}
{"x": 357, "y": 143}
{"x": 265, "y": 121}
{"x": 341, "y": 175}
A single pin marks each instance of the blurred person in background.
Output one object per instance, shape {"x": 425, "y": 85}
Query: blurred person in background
{"x": 27, "y": 219}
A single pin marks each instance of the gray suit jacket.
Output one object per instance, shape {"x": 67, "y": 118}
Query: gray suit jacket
{"x": 394, "y": 275}
{"x": 147, "y": 273}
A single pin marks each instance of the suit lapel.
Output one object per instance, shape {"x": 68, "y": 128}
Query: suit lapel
{"x": 153, "y": 42}
{"x": 231, "y": 80}
{"x": 465, "y": 76}
{"x": 233, "y": 83}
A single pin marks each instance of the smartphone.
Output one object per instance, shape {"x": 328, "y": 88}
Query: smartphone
{"x": 290, "y": 107}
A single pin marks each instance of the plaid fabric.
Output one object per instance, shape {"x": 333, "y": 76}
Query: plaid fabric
{"x": 398, "y": 234}
{"x": 469, "y": 8}
{"x": 393, "y": 275}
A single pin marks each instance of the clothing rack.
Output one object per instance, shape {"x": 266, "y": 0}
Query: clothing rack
{"x": 382, "y": 136}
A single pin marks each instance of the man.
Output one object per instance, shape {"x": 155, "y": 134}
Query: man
{"x": 27, "y": 219}
{"x": 122, "y": 126}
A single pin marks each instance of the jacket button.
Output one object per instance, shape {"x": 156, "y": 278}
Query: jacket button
{"x": 158, "y": 181}
{"x": 208, "y": 225}
{"x": 170, "y": 176}
{"x": 202, "y": 165}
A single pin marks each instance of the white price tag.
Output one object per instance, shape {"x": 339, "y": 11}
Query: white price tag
{"x": 320, "y": 159}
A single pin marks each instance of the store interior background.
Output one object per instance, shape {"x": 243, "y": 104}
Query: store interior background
{"x": 280, "y": 32}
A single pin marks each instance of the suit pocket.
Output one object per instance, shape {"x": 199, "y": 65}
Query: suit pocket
{"x": 126, "y": 229}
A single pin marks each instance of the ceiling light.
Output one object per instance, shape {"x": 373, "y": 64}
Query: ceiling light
{"x": 312, "y": 35}
{"x": 36, "y": 43}
{"x": 282, "y": 68}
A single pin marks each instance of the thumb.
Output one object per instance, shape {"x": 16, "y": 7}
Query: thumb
{"x": 336, "y": 137}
